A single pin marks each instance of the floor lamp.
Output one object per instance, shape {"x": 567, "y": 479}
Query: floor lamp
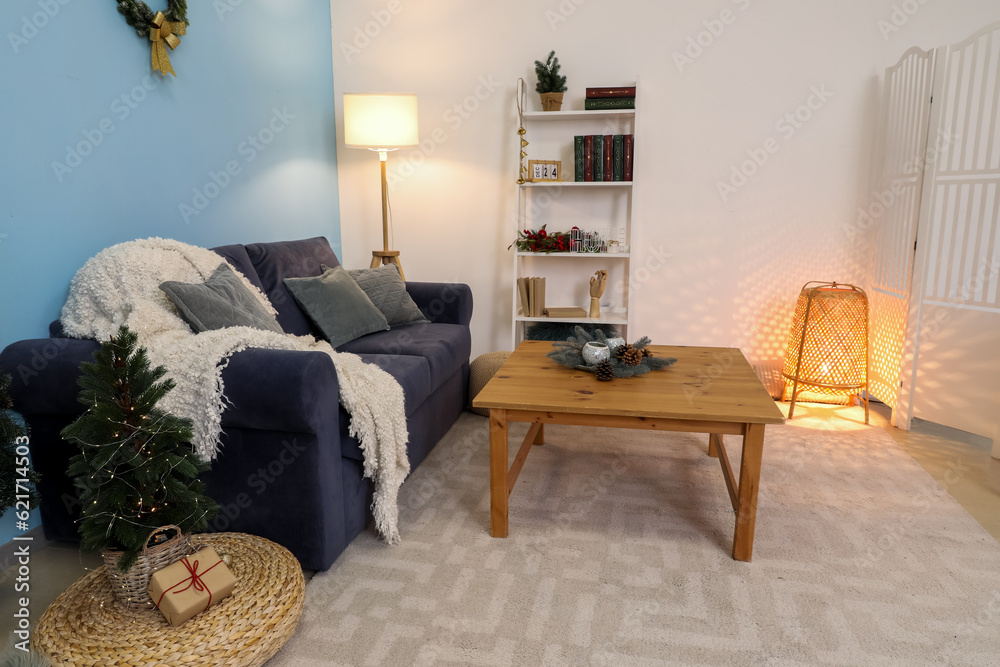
{"x": 381, "y": 122}
{"x": 828, "y": 343}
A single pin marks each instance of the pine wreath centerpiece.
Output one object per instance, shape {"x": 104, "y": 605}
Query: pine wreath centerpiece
{"x": 634, "y": 360}
{"x": 136, "y": 470}
{"x": 17, "y": 479}
{"x": 162, "y": 28}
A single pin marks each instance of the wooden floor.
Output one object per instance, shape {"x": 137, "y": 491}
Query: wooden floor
{"x": 960, "y": 462}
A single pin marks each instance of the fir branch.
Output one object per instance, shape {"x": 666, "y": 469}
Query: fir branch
{"x": 177, "y": 11}
{"x": 10, "y": 472}
{"x": 138, "y": 14}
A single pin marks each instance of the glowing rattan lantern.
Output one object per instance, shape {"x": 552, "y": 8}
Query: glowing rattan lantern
{"x": 828, "y": 343}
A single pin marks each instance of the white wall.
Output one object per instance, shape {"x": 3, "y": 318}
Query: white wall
{"x": 736, "y": 266}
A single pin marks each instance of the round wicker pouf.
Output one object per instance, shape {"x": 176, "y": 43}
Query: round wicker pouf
{"x": 481, "y": 370}
{"x": 84, "y": 626}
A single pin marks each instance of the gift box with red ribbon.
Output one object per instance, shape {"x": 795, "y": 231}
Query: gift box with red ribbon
{"x": 191, "y": 585}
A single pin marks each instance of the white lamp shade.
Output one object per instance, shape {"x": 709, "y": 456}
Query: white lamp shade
{"x": 380, "y": 120}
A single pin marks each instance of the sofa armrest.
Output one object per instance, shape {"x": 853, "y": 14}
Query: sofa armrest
{"x": 281, "y": 390}
{"x": 279, "y": 473}
{"x": 445, "y": 303}
{"x": 44, "y": 372}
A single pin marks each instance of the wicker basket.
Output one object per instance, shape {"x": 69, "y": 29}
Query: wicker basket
{"x": 130, "y": 588}
{"x": 84, "y": 627}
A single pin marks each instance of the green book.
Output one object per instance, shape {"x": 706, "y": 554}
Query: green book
{"x": 618, "y": 162}
{"x": 578, "y": 157}
{"x": 609, "y": 103}
{"x": 598, "y": 157}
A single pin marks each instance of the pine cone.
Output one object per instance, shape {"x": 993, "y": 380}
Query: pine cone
{"x": 631, "y": 356}
{"x": 621, "y": 350}
{"x": 646, "y": 352}
{"x": 604, "y": 372}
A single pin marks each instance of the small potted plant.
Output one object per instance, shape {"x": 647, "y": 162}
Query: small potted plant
{"x": 551, "y": 86}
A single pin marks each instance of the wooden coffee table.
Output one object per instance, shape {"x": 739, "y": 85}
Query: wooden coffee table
{"x": 709, "y": 390}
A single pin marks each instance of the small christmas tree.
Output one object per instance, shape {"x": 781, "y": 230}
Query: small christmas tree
{"x": 549, "y": 80}
{"x": 13, "y": 468}
{"x": 135, "y": 470}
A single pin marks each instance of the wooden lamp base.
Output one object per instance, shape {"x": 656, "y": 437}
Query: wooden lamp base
{"x": 381, "y": 257}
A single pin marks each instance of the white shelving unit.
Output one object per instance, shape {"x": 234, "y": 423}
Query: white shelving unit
{"x": 562, "y": 205}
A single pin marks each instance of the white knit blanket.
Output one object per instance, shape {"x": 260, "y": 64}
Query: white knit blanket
{"x": 121, "y": 285}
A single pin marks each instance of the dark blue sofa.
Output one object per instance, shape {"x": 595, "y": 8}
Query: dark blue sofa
{"x": 288, "y": 470}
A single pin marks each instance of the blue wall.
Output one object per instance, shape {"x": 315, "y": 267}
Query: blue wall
{"x": 97, "y": 150}
{"x": 247, "y": 73}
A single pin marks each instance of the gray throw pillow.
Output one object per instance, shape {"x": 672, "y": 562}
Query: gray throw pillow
{"x": 386, "y": 289}
{"x": 219, "y": 302}
{"x": 340, "y": 308}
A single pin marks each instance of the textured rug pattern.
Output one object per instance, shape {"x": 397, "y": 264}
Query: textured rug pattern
{"x": 620, "y": 554}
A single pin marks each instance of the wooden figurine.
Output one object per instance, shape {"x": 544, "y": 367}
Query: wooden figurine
{"x": 597, "y": 284}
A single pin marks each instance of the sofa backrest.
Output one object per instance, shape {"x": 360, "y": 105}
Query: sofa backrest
{"x": 268, "y": 264}
{"x": 236, "y": 255}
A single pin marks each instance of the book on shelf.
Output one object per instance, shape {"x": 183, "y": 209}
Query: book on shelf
{"x": 618, "y": 158}
{"x": 609, "y": 141}
{"x": 603, "y": 157}
{"x": 532, "y": 294}
{"x": 522, "y": 290}
{"x": 610, "y": 91}
{"x": 578, "y": 170}
{"x": 598, "y": 157}
{"x": 608, "y": 103}
{"x": 538, "y": 301}
{"x": 628, "y": 144}
{"x": 565, "y": 312}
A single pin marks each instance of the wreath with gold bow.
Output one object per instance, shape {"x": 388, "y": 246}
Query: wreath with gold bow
{"x": 162, "y": 28}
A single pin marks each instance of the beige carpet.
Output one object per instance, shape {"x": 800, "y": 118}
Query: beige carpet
{"x": 619, "y": 554}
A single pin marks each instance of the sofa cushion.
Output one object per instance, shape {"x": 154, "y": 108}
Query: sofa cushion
{"x": 276, "y": 261}
{"x": 412, "y": 374}
{"x": 237, "y": 256}
{"x": 340, "y": 308}
{"x": 385, "y": 287}
{"x": 445, "y": 346}
{"x": 221, "y": 301}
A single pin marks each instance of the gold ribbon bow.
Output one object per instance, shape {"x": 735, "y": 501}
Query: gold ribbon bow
{"x": 164, "y": 33}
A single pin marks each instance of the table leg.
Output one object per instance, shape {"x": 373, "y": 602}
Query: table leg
{"x": 746, "y": 514}
{"x": 498, "y": 472}
{"x": 540, "y": 438}
{"x": 713, "y": 451}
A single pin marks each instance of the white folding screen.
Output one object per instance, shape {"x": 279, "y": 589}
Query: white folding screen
{"x": 892, "y": 214}
{"x": 950, "y": 370}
